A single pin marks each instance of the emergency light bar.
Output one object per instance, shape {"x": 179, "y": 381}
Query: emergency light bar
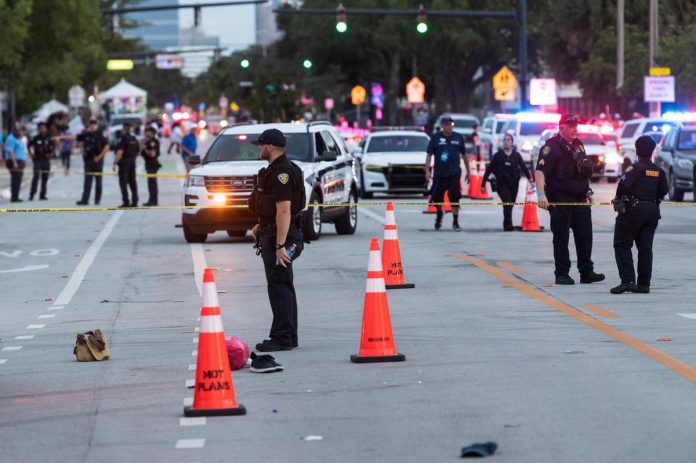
{"x": 538, "y": 117}
{"x": 680, "y": 116}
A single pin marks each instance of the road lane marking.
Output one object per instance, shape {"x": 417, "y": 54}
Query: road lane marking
{"x": 188, "y": 401}
{"x": 190, "y": 383}
{"x": 47, "y": 315}
{"x": 194, "y": 353}
{"x": 601, "y": 311}
{"x": 8, "y": 348}
{"x": 3, "y": 361}
{"x": 26, "y": 268}
{"x": 190, "y": 443}
{"x": 35, "y": 327}
{"x": 508, "y": 266}
{"x": 192, "y": 367}
{"x": 192, "y": 421}
{"x": 372, "y": 215}
{"x": 195, "y": 341}
{"x": 670, "y": 362}
{"x": 197, "y": 329}
{"x": 691, "y": 316}
{"x": 56, "y": 307}
{"x": 81, "y": 270}
{"x": 28, "y": 336}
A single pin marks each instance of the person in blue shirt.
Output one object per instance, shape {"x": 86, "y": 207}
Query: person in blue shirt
{"x": 189, "y": 145}
{"x": 447, "y": 147}
{"x": 15, "y": 159}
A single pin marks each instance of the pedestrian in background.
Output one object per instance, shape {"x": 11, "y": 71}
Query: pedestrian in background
{"x": 507, "y": 166}
{"x": 175, "y": 139}
{"x": 151, "y": 152}
{"x": 637, "y": 201}
{"x": 41, "y": 149}
{"x": 15, "y": 156}
{"x": 563, "y": 173}
{"x": 127, "y": 151}
{"x": 65, "y": 143}
{"x": 94, "y": 148}
{"x": 189, "y": 145}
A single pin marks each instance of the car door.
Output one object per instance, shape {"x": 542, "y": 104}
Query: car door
{"x": 335, "y": 185}
{"x": 664, "y": 155}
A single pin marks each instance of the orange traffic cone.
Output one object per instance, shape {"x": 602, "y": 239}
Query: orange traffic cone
{"x": 474, "y": 181}
{"x": 482, "y": 173}
{"x": 530, "y": 216}
{"x": 431, "y": 206}
{"x": 376, "y": 340}
{"x": 391, "y": 254}
{"x": 446, "y": 206}
{"x": 214, "y": 390}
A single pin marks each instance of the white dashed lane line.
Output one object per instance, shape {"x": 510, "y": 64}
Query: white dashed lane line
{"x": 35, "y": 327}
{"x": 56, "y": 307}
{"x": 691, "y": 316}
{"x": 188, "y": 401}
{"x": 51, "y": 315}
{"x": 192, "y": 367}
{"x": 10, "y": 348}
{"x": 190, "y": 443}
{"x": 27, "y": 336}
{"x": 3, "y": 361}
{"x": 190, "y": 383}
{"x": 192, "y": 421}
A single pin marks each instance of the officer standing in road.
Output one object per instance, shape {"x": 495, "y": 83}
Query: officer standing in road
{"x": 127, "y": 151}
{"x": 507, "y": 165}
{"x": 94, "y": 149}
{"x": 278, "y": 200}
{"x": 15, "y": 156}
{"x": 637, "y": 201}
{"x": 449, "y": 149}
{"x": 151, "y": 152}
{"x": 41, "y": 148}
{"x": 563, "y": 175}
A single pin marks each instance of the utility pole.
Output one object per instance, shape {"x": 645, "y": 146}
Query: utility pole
{"x": 522, "y": 50}
{"x": 655, "y": 108}
{"x": 620, "y": 7}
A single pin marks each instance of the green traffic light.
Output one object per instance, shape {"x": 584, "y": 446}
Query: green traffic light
{"x": 307, "y": 64}
{"x": 341, "y": 26}
{"x": 422, "y": 28}
{"x": 245, "y": 63}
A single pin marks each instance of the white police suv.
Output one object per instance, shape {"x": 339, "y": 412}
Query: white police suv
{"x": 227, "y": 174}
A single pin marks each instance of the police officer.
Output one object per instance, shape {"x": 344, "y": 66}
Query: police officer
{"x": 278, "y": 200}
{"x": 127, "y": 151}
{"x": 41, "y": 148}
{"x": 448, "y": 148}
{"x": 94, "y": 149}
{"x": 563, "y": 175}
{"x": 507, "y": 165}
{"x": 151, "y": 152}
{"x": 638, "y": 196}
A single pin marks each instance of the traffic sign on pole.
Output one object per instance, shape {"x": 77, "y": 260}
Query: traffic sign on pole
{"x": 660, "y": 72}
{"x": 504, "y": 79}
{"x": 357, "y": 95}
{"x": 542, "y": 92}
{"x": 415, "y": 91}
{"x": 659, "y": 89}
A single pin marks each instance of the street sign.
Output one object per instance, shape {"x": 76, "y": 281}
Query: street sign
{"x": 542, "y": 92}
{"x": 223, "y": 102}
{"x": 119, "y": 65}
{"x": 504, "y": 79}
{"x": 660, "y": 72}
{"x": 415, "y": 91}
{"x": 329, "y": 104}
{"x": 357, "y": 95}
{"x": 504, "y": 94}
{"x": 658, "y": 89}
{"x": 377, "y": 95}
{"x": 76, "y": 95}
{"x": 164, "y": 61}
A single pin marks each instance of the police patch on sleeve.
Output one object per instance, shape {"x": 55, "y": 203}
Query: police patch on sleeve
{"x": 541, "y": 162}
{"x": 283, "y": 178}
{"x": 629, "y": 168}
{"x": 546, "y": 150}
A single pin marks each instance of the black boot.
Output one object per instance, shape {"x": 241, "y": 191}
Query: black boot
{"x": 438, "y": 219}
{"x": 564, "y": 280}
{"x": 623, "y": 288}
{"x": 592, "y": 278}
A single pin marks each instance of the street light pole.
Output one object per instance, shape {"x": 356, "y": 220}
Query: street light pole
{"x": 620, "y": 7}
{"x": 655, "y": 108}
{"x": 522, "y": 51}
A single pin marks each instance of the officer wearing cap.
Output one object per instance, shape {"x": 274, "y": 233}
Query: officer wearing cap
{"x": 278, "y": 200}
{"x": 637, "y": 201}
{"x": 563, "y": 176}
{"x": 448, "y": 148}
{"x": 41, "y": 148}
{"x": 94, "y": 149}
{"x": 151, "y": 152}
{"x": 127, "y": 151}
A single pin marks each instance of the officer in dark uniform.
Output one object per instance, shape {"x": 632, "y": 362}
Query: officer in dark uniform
{"x": 278, "y": 200}
{"x": 563, "y": 173}
{"x": 507, "y": 165}
{"x": 127, "y": 151}
{"x": 151, "y": 152}
{"x": 448, "y": 148}
{"x": 637, "y": 201}
{"x": 41, "y": 149}
{"x": 94, "y": 149}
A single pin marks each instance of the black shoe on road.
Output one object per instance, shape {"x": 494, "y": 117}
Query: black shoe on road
{"x": 272, "y": 345}
{"x": 82, "y": 203}
{"x": 264, "y": 364}
{"x": 17, "y": 200}
{"x": 564, "y": 280}
{"x": 43, "y": 198}
{"x": 124, "y": 205}
{"x": 438, "y": 221}
{"x": 643, "y": 289}
{"x": 592, "y": 278}
{"x": 623, "y": 288}
{"x": 31, "y": 198}
{"x": 455, "y": 226}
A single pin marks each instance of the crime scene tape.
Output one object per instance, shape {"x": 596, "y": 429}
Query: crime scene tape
{"x": 421, "y": 204}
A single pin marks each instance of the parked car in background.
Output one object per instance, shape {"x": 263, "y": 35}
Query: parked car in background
{"x": 491, "y": 133}
{"x": 463, "y": 123}
{"x": 677, "y": 157}
{"x": 634, "y": 128}
{"x": 526, "y": 128}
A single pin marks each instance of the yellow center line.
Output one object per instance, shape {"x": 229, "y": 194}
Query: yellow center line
{"x": 510, "y": 267}
{"x": 601, "y": 311}
{"x": 670, "y": 362}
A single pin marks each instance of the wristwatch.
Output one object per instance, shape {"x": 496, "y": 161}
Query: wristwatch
{"x": 278, "y": 246}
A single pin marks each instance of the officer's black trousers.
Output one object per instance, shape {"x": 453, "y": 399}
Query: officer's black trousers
{"x": 637, "y": 224}
{"x": 152, "y": 183}
{"x": 579, "y": 218}
{"x": 507, "y": 190}
{"x": 16, "y": 173}
{"x": 42, "y": 169}
{"x": 281, "y": 290}
{"x": 92, "y": 167}
{"x": 126, "y": 178}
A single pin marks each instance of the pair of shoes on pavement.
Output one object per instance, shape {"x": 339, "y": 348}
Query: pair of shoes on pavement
{"x": 264, "y": 364}
{"x": 586, "y": 279}
{"x": 630, "y": 288}
{"x": 438, "y": 224}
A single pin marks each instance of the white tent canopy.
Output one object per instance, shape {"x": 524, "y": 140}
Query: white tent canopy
{"x": 126, "y": 98}
{"x": 124, "y": 89}
{"x": 53, "y": 106}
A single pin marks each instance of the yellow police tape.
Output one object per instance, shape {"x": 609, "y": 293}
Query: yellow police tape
{"x": 365, "y": 204}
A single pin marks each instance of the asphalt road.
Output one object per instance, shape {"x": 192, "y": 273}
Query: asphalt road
{"x": 494, "y": 351}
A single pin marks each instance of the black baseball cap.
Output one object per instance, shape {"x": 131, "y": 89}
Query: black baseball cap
{"x": 446, "y": 119}
{"x": 93, "y": 121}
{"x": 645, "y": 146}
{"x": 271, "y": 137}
{"x": 568, "y": 119}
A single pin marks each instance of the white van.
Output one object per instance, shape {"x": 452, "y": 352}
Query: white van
{"x": 527, "y": 127}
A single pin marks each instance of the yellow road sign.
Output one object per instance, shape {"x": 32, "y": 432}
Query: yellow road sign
{"x": 504, "y": 94}
{"x": 415, "y": 91}
{"x": 660, "y": 72}
{"x": 504, "y": 79}
{"x": 357, "y": 95}
{"x": 119, "y": 64}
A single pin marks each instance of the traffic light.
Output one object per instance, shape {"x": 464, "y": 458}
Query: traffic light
{"x": 341, "y": 24}
{"x": 245, "y": 63}
{"x": 422, "y": 26}
{"x": 307, "y": 64}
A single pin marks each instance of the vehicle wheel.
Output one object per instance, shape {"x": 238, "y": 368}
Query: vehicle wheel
{"x": 612, "y": 179}
{"x": 236, "y": 233}
{"x": 312, "y": 222}
{"x": 194, "y": 237}
{"x": 348, "y": 222}
{"x": 674, "y": 193}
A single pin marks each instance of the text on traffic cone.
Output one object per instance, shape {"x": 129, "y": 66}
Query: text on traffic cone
{"x": 391, "y": 253}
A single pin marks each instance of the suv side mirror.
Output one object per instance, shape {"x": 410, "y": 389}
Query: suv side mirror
{"x": 194, "y": 160}
{"x": 328, "y": 156}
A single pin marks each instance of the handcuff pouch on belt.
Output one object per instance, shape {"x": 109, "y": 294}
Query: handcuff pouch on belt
{"x": 623, "y": 203}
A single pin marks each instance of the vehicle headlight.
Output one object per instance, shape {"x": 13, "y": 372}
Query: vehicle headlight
{"x": 685, "y": 164}
{"x": 613, "y": 158}
{"x": 196, "y": 180}
{"x": 373, "y": 168}
{"x": 527, "y": 146}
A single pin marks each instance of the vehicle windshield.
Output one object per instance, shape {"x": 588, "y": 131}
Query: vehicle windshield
{"x": 390, "y": 144}
{"x": 124, "y": 120}
{"x": 659, "y": 127}
{"x": 535, "y": 128}
{"x": 464, "y": 123}
{"x": 591, "y": 139}
{"x": 499, "y": 126}
{"x": 687, "y": 140}
{"x": 238, "y": 147}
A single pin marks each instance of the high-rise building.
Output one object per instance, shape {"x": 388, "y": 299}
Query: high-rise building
{"x": 156, "y": 29}
{"x": 266, "y": 26}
